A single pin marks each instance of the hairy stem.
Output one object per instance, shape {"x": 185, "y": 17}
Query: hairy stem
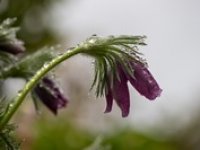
{"x": 33, "y": 81}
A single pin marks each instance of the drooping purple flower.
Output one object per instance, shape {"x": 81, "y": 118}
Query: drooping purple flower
{"x": 144, "y": 82}
{"x": 50, "y": 95}
{"x": 13, "y": 47}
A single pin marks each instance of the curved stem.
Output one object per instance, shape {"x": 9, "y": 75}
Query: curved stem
{"x": 33, "y": 81}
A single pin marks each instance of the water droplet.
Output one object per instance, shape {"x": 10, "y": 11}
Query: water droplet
{"x": 92, "y": 40}
{"x": 45, "y": 65}
{"x": 39, "y": 112}
{"x": 11, "y": 105}
{"x": 52, "y": 74}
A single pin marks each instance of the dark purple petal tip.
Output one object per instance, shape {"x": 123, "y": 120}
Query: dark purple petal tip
{"x": 144, "y": 82}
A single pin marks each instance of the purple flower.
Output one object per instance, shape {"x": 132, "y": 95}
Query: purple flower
{"x": 13, "y": 47}
{"x": 50, "y": 95}
{"x": 141, "y": 80}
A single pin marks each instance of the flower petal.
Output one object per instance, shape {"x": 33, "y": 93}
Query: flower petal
{"x": 121, "y": 93}
{"x": 109, "y": 100}
{"x": 57, "y": 93}
{"x": 46, "y": 98}
{"x": 144, "y": 82}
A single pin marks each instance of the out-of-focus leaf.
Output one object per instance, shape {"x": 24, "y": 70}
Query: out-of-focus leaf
{"x": 30, "y": 64}
{"x": 60, "y": 134}
{"x": 7, "y": 141}
{"x": 128, "y": 139}
{"x": 35, "y": 32}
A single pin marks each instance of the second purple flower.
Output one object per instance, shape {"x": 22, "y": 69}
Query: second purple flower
{"x": 50, "y": 95}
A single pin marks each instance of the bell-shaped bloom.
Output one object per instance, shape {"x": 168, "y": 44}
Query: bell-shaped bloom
{"x": 144, "y": 82}
{"x": 12, "y": 47}
{"x": 50, "y": 95}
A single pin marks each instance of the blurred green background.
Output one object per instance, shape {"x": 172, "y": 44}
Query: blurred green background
{"x": 70, "y": 130}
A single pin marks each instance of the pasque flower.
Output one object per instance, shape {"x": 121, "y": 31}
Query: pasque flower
{"x": 118, "y": 62}
{"x": 50, "y": 95}
{"x": 141, "y": 79}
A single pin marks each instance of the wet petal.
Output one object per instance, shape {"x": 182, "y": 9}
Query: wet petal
{"x": 121, "y": 93}
{"x": 144, "y": 82}
{"x": 57, "y": 93}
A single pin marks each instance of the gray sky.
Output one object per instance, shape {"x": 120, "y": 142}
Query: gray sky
{"x": 172, "y": 28}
